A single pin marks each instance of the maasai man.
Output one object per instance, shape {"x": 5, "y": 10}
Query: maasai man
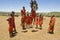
{"x": 51, "y": 24}
{"x": 33, "y": 13}
{"x": 31, "y": 21}
{"x": 27, "y": 21}
{"x": 23, "y": 11}
{"x": 40, "y": 21}
{"x": 23, "y": 22}
{"x": 34, "y": 7}
{"x": 10, "y": 26}
{"x": 14, "y": 21}
{"x": 37, "y": 21}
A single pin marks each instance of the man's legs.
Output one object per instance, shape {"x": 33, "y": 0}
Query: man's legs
{"x": 11, "y": 33}
{"x": 14, "y": 28}
{"x": 52, "y": 29}
{"x": 40, "y": 26}
{"x": 23, "y": 27}
{"x": 36, "y": 26}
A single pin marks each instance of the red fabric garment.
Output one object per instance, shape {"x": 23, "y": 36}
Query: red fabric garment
{"x": 51, "y": 24}
{"x": 10, "y": 25}
{"x": 52, "y": 21}
{"x": 33, "y": 13}
{"x": 28, "y": 20}
{"x": 23, "y": 19}
{"x": 23, "y": 12}
{"x": 13, "y": 21}
{"x": 40, "y": 20}
{"x": 37, "y": 21}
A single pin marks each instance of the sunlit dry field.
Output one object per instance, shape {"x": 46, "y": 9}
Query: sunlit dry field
{"x": 39, "y": 35}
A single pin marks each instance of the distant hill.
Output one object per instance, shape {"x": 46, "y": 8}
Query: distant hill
{"x": 57, "y": 14}
{"x": 8, "y": 13}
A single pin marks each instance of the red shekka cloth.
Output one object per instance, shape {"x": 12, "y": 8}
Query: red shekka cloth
{"x": 23, "y": 12}
{"x": 13, "y": 21}
{"x": 37, "y": 21}
{"x": 40, "y": 20}
{"x": 23, "y": 19}
{"x": 10, "y": 25}
{"x": 33, "y": 13}
{"x": 28, "y": 20}
{"x": 52, "y": 21}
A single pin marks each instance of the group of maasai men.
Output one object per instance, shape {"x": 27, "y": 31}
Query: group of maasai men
{"x": 28, "y": 20}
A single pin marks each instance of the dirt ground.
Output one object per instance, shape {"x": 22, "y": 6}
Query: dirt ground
{"x": 39, "y": 35}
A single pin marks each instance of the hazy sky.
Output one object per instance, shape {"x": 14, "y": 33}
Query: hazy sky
{"x": 16, "y": 5}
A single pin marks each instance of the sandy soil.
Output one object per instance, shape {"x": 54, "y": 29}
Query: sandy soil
{"x": 39, "y": 35}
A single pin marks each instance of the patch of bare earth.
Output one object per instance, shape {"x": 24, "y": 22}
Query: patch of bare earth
{"x": 39, "y": 35}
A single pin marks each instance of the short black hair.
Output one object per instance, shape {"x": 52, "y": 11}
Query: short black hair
{"x": 53, "y": 15}
{"x": 11, "y": 15}
{"x": 13, "y": 12}
{"x": 23, "y": 7}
